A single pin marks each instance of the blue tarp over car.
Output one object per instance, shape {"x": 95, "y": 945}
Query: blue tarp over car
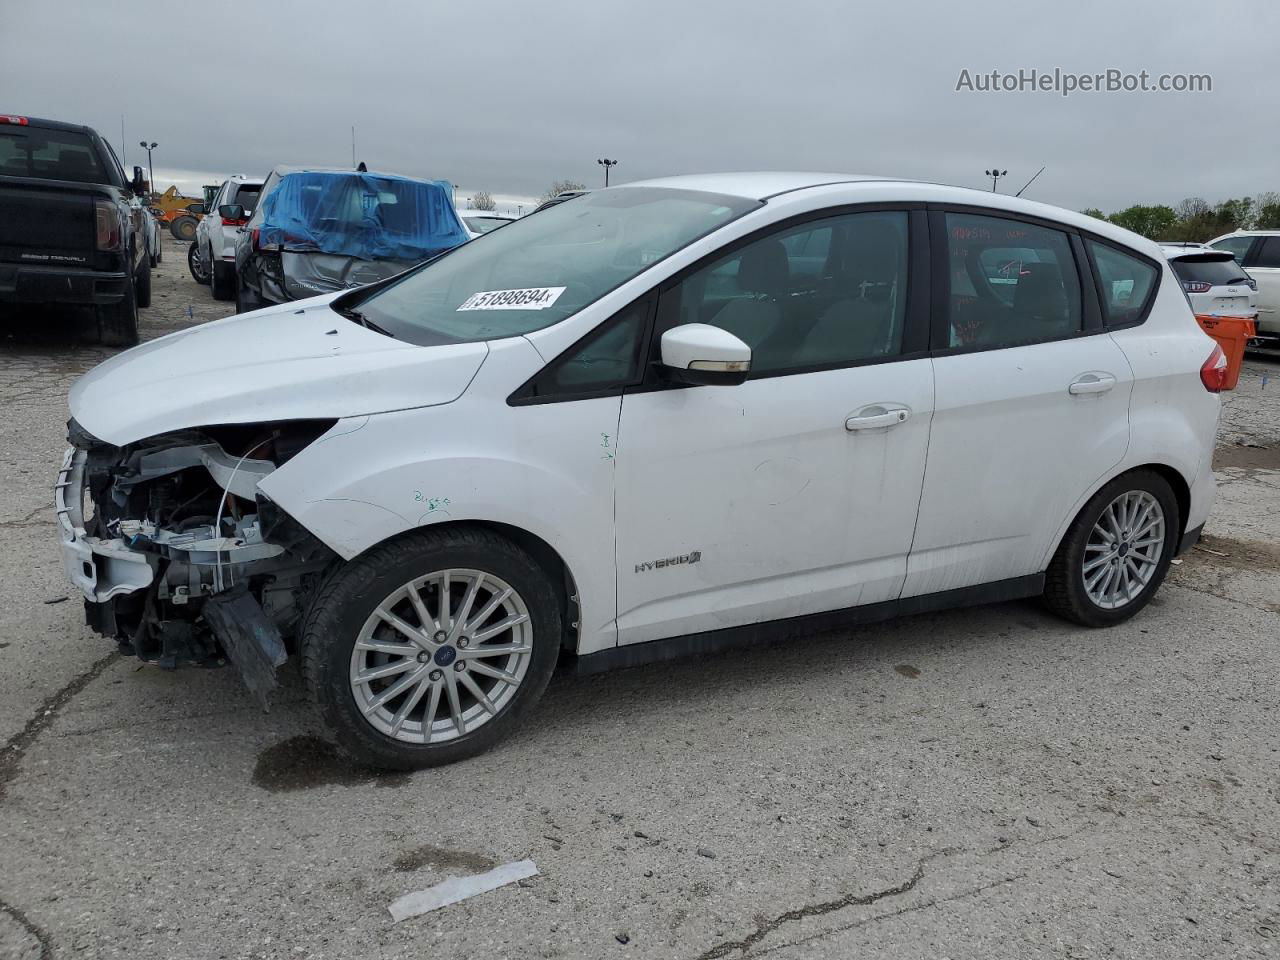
{"x": 373, "y": 216}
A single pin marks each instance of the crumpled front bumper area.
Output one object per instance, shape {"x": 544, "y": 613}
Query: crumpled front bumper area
{"x": 178, "y": 556}
{"x": 102, "y": 569}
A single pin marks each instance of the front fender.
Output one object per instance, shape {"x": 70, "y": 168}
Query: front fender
{"x": 546, "y": 469}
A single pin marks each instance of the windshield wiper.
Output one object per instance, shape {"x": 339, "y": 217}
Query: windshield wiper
{"x": 360, "y": 318}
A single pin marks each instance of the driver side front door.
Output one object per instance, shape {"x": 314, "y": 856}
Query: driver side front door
{"x": 797, "y": 491}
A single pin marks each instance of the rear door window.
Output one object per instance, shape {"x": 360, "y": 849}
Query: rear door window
{"x": 50, "y": 155}
{"x": 1236, "y": 246}
{"x": 1126, "y": 281}
{"x": 1269, "y": 253}
{"x": 1012, "y": 283}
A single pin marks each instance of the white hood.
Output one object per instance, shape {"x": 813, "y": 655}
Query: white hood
{"x": 292, "y": 362}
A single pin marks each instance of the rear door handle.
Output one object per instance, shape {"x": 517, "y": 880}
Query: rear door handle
{"x": 877, "y": 416}
{"x": 1091, "y": 383}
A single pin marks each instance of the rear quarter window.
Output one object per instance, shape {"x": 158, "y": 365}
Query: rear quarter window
{"x": 1126, "y": 283}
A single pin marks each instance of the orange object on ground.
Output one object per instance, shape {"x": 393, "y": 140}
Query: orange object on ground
{"x": 1232, "y": 334}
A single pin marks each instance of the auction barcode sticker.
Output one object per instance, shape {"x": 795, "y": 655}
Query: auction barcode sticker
{"x": 528, "y": 298}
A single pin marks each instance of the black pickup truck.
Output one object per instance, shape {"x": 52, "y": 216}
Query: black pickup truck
{"x": 68, "y": 232}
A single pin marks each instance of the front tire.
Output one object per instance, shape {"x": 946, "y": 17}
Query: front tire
{"x": 183, "y": 228}
{"x": 431, "y": 648}
{"x": 197, "y": 265}
{"x": 1116, "y": 552}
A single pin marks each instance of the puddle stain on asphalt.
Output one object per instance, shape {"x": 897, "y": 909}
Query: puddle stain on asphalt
{"x": 440, "y": 858}
{"x": 1254, "y": 555}
{"x": 302, "y": 763}
{"x": 1244, "y": 457}
{"x": 907, "y": 670}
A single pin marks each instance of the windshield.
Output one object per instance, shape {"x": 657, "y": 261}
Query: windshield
{"x": 1217, "y": 270}
{"x": 547, "y": 266}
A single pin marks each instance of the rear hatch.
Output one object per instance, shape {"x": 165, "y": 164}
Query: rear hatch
{"x": 1216, "y": 283}
{"x": 48, "y": 181}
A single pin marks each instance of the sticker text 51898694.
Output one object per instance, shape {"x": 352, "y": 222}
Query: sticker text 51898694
{"x": 527, "y": 298}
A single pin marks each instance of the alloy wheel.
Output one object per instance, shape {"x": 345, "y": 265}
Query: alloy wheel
{"x": 441, "y": 656}
{"x": 1124, "y": 549}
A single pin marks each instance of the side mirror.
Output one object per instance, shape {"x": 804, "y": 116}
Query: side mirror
{"x": 699, "y": 353}
{"x": 139, "y": 182}
{"x": 231, "y": 211}
{"x": 195, "y": 208}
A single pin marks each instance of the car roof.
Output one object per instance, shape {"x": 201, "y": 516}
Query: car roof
{"x": 52, "y": 124}
{"x": 752, "y": 186}
{"x": 767, "y": 185}
{"x": 284, "y": 169}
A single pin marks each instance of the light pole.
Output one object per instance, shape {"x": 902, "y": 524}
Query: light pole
{"x": 151, "y": 171}
{"x": 607, "y": 164}
{"x": 995, "y": 173}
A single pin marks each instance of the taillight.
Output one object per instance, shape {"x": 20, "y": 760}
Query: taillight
{"x": 253, "y": 238}
{"x": 9, "y": 118}
{"x": 228, "y": 222}
{"x": 1213, "y": 374}
{"x": 107, "y": 225}
{"x": 1196, "y": 286}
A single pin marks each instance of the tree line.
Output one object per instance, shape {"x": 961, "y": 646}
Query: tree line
{"x": 1196, "y": 220}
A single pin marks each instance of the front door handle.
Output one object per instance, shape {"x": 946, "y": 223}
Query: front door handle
{"x": 873, "y": 418}
{"x": 1091, "y": 383}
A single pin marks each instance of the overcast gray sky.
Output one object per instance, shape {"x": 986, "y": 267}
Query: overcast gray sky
{"x": 508, "y": 95}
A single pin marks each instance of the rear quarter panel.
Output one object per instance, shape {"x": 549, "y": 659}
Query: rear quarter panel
{"x": 1173, "y": 419}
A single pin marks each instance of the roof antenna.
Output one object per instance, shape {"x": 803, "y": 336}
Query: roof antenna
{"x": 362, "y": 168}
{"x": 1030, "y": 182}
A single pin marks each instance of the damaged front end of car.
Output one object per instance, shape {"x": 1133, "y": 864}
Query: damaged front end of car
{"x": 181, "y": 558}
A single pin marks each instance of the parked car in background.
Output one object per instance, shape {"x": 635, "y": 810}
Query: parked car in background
{"x": 70, "y": 230}
{"x": 559, "y": 198}
{"x": 633, "y": 427}
{"x": 1215, "y": 282}
{"x": 319, "y": 231}
{"x": 479, "y": 222}
{"x": 1258, "y": 251}
{"x": 151, "y": 231}
{"x": 216, "y": 235}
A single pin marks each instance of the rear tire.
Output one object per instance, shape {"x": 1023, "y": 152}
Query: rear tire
{"x": 1109, "y": 564}
{"x": 142, "y": 284}
{"x": 397, "y": 733}
{"x": 118, "y": 322}
{"x": 246, "y": 299}
{"x": 223, "y": 281}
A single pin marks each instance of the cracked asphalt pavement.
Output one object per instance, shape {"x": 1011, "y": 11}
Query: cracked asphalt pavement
{"x": 988, "y": 783}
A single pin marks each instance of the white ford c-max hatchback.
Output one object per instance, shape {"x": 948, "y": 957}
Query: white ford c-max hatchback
{"x": 654, "y": 420}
